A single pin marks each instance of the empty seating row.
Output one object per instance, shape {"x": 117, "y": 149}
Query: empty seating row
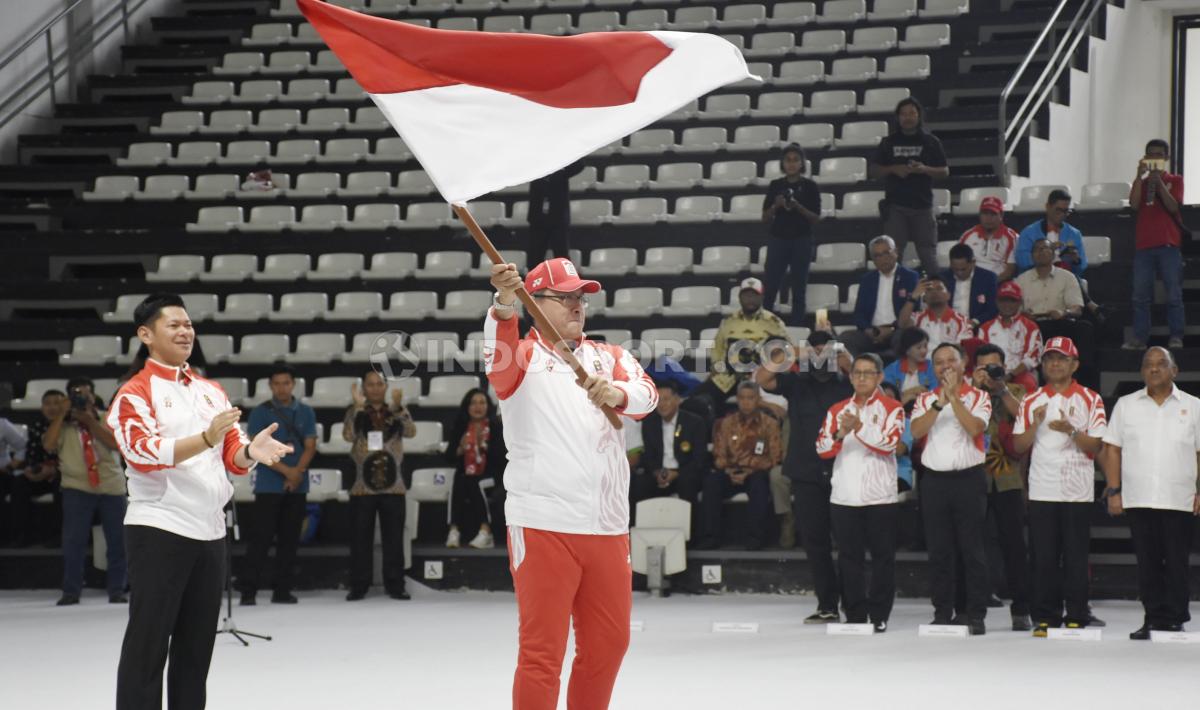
{"x": 296, "y": 151}
{"x": 272, "y": 121}
{"x": 258, "y": 91}
{"x": 1098, "y": 196}
{"x": 375, "y": 183}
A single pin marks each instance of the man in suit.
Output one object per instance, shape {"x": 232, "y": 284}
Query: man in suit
{"x": 883, "y": 293}
{"x": 680, "y": 466}
{"x": 972, "y": 290}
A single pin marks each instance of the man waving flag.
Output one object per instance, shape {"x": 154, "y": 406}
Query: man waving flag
{"x": 528, "y": 104}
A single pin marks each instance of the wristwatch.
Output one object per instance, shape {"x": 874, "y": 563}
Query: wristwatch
{"x": 937, "y": 406}
{"x": 497, "y": 304}
{"x": 1109, "y": 492}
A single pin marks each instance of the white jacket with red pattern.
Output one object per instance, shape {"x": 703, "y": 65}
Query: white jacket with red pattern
{"x": 864, "y": 466}
{"x": 567, "y": 470}
{"x": 158, "y": 406}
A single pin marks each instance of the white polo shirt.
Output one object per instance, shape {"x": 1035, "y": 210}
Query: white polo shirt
{"x": 1158, "y": 449}
{"x": 885, "y": 307}
{"x": 948, "y": 447}
{"x": 951, "y": 327}
{"x": 1059, "y": 471}
{"x": 668, "y": 443}
{"x": 962, "y": 296}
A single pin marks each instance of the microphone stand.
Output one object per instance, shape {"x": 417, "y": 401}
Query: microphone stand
{"x": 227, "y": 624}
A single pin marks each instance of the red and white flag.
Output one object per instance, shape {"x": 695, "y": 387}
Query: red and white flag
{"x": 482, "y": 111}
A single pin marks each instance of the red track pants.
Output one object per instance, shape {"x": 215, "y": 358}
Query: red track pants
{"x": 560, "y": 577}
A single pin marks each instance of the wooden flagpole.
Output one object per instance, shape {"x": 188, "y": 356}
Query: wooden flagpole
{"x": 539, "y": 318}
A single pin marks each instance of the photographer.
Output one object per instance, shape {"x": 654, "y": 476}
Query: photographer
{"x": 1155, "y": 196}
{"x": 93, "y": 480}
{"x": 792, "y": 206}
{"x": 1055, "y": 230}
{"x": 909, "y": 159}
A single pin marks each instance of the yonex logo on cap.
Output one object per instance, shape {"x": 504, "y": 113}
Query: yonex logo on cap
{"x": 569, "y": 268}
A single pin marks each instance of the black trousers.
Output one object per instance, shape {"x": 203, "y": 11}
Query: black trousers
{"x": 279, "y": 517}
{"x": 718, "y": 487}
{"x": 645, "y": 485}
{"x": 175, "y": 598}
{"x": 363, "y": 510}
{"x": 1059, "y": 534}
{"x": 469, "y": 501}
{"x": 1162, "y": 540}
{"x": 1006, "y": 511}
{"x": 21, "y": 508}
{"x": 544, "y": 236}
{"x": 858, "y": 529}
{"x": 810, "y": 503}
{"x": 954, "y": 505}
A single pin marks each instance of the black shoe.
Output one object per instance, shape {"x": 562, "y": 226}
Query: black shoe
{"x": 118, "y": 599}
{"x": 880, "y": 626}
{"x": 356, "y": 595}
{"x": 976, "y": 627}
{"x": 823, "y": 617}
{"x": 67, "y": 600}
{"x": 1021, "y": 622}
{"x": 285, "y": 598}
{"x": 400, "y": 595}
{"x": 943, "y": 621}
{"x": 248, "y": 599}
{"x": 1093, "y": 621}
{"x": 1142, "y": 634}
{"x": 995, "y": 602}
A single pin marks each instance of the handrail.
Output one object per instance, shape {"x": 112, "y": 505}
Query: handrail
{"x": 46, "y": 80}
{"x": 1013, "y": 131}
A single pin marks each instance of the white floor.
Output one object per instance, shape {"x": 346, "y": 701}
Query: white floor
{"x": 457, "y": 650}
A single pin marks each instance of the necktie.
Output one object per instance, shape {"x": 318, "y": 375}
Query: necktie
{"x": 89, "y": 457}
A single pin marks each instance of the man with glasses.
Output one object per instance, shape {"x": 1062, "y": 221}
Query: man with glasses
{"x": 1054, "y": 300}
{"x": 885, "y": 294}
{"x": 860, "y": 435}
{"x": 568, "y": 484}
{"x": 1054, "y": 229}
{"x": 992, "y": 241}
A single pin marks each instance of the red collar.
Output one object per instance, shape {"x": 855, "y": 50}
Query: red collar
{"x": 181, "y": 374}
{"x": 904, "y": 367}
{"x": 1074, "y": 389}
{"x": 949, "y": 316}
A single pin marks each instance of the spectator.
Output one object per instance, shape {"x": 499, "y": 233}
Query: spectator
{"x": 376, "y": 433}
{"x": 675, "y": 449}
{"x": 1017, "y": 336}
{"x": 885, "y": 295}
{"x": 550, "y": 213}
{"x": 940, "y": 322}
{"x": 745, "y": 447}
{"x": 861, "y": 435}
{"x": 972, "y": 290}
{"x": 735, "y": 349}
{"x": 1055, "y": 230}
{"x": 792, "y": 206}
{"x": 280, "y": 490}
{"x": 13, "y": 444}
{"x": 1155, "y": 196}
{"x": 1063, "y": 423}
{"x": 479, "y": 459}
{"x": 952, "y": 420}
{"x": 1006, "y": 486}
{"x": 992, "y": 241}
{"x": 1150, "y": 467}
{"x": 911, "y": 373}
{"x": 812, "y": 380}
{"x": 39, "y": 476}
{"x": 93, "y": 481}
{"x": 634, "y": 446}
{"x": 904, "y": 450}
{"x": 909, "y": 159}
{"x": 1053, "y": 299}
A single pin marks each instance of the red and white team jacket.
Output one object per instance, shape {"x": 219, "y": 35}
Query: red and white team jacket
{"x": 1020, "y": 340}
{"x": 159, "y": 405}
{"x": 567, "y": 470}
{"x": 1059, "y": 471}
{"x": 864, "y": 463}
{"x": 992, "y": 254}
{"x": 948, "y": 447}
{"x": 951, "y": 327}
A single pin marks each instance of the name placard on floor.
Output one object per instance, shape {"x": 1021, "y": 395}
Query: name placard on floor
{"x": 849, "y": 630}
{"x": 735, "y": 627}
{"x": 1074, "y": 634}
{"x": 1174, "y": 637}
{"x": 637, "y": 625}
{"x": 951, "y": 631}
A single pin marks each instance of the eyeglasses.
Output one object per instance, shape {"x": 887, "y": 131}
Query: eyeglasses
{"x": 864, "y": 373}
{"x": 565, "y": 300}
{"x": 882, "y": 254}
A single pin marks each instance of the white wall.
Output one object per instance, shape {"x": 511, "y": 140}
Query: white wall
{"x": 1122, "y": 101}
{"x": 19, "y": 19}
{"x": 1191, "y": 143}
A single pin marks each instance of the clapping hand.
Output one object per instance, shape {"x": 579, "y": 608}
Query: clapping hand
{"x": 848, "y": 422}
{"x": 1039, "y": 416}
{"x": 397, "y": 397}
{"x": 1062, "y": 425}
{"x": 357, "y": 395}
{"x": 267, "y": 450}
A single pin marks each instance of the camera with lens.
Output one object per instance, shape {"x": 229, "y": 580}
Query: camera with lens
{"x": 996, "y": 372}
{"x": 78, "y": 400}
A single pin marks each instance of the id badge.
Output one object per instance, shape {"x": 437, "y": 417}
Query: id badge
{"x": 374, "y": 441}
{"x": 759, "y": 448}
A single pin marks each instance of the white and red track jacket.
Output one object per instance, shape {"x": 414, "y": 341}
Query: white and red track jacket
{"x": 1059, "y": 471}
{"x": 1020, "y": 340}
{"x": 567, "y": 470}
{"x": 864, "y": 463}
{"x": 159, "y": 405}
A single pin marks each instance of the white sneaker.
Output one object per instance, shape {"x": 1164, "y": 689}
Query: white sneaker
{"x": 483, "y": 541}
{"x": 454, "y": 539}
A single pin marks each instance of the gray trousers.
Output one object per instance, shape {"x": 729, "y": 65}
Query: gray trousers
{"x": 904, "y": 224}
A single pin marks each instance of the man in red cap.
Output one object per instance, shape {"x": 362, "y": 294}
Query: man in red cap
{"x": 1064, "y": 424}
{"x": 568, "y": 485}
{"x": 992, "y": 241}
{"x": 1017, "y": 335}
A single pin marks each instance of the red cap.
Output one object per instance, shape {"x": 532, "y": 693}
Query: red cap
{"x": 1009, "y": 289}
{"x": 992, "y": 204}
{"x": 1061, "y": 345}
{"x": 560, "y": 275}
